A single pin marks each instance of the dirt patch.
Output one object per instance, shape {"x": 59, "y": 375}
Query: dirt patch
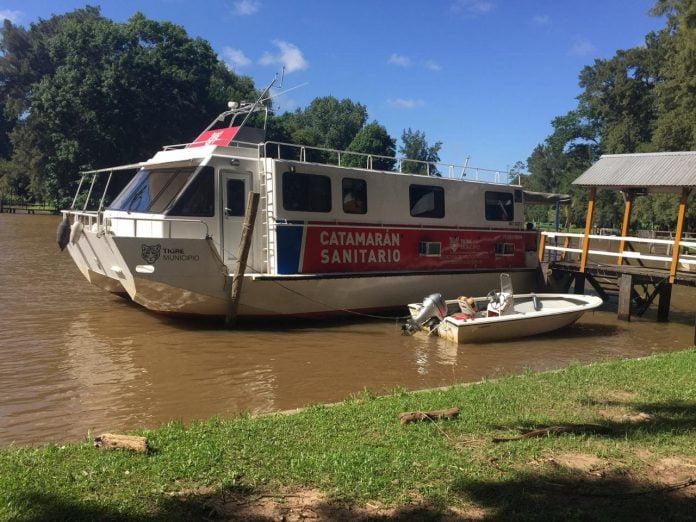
{"x": 643, "y": 453}
{"x": 620, "y": 396}
{"x": 623, "y": 414}
{"x": 311, "y": 504}
{"x": 581, "y": 462}
{"x": 675, "y": 470}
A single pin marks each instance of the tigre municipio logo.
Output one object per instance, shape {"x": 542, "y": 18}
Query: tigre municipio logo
{"x": 150, "y": 253}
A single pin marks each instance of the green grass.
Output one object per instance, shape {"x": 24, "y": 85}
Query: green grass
{"x": 358, "y": 452}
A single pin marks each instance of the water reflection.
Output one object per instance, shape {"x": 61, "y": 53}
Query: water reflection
{"x": 74, "y": 358}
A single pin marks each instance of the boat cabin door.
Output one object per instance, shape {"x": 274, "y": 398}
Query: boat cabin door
{"x": 235, "y": 187}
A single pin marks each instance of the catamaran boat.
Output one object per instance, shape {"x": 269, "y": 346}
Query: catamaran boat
{"x": 327, "y": 239}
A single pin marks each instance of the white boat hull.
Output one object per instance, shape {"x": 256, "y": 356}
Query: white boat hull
{"x": 197, "y": 282}
{"x": 557, "y": 311}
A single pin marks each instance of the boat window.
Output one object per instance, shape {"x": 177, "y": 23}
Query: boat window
{"x": 198, "y": 198}
{"x": 234, "y": 205}
{"x": 499, "y": 206}
{"x": 504, "y": 249}
{"x": 306, "y": 192}
{"x": 427, "y": 201}
{"x": 354, "y": 196}
{"x": 152, "y": 190}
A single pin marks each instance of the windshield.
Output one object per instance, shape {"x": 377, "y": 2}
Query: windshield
{"x": 152, "y": 190}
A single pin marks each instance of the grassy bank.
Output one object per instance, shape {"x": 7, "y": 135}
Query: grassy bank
{"x": 355, "y": 459}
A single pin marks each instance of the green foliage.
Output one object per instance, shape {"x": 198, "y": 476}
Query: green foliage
{"x": 88, "y": 92}
{"x": 372, "y": 139}
{"x": 334, "y": 124}
{"x": 414, "y": 146}
{"x": 640, "y": 100}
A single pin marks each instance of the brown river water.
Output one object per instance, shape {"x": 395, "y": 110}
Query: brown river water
{"x": 75, "y": 359}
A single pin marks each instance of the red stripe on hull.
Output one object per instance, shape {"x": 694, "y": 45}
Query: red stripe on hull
{"x": 361, "y": 249}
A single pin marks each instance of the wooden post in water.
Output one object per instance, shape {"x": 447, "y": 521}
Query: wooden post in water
{"x": 624, "y": 225}
{"x": 664, "y": 302}
{"x": 240, "y": 267}
{"x": 678, "y": 234}
{"x": 625, "y": 291}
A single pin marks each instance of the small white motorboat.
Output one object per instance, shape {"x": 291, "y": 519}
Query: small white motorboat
{"x": 499, "y": 315}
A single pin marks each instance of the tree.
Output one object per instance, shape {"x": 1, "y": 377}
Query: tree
{"x": 105, "y": 93}
{"x": 372, "y": 139}
{"x": 676, "y": 95}
{"x": 414, "y": 146}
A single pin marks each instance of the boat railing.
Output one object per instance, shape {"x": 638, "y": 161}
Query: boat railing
{"x": 110, "y": 224}
{"x": 97, "y": 222}
{"x": 346, "y": 158}
{"x": 291, "y": 151}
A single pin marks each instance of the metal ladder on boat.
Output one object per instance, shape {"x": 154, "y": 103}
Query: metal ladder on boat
{"x": 267, "y": 202}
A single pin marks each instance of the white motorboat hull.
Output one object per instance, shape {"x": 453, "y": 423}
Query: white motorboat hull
{"x": 557, "y": 311}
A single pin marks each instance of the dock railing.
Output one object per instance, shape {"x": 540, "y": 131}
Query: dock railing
{"x": 572, "y": 248}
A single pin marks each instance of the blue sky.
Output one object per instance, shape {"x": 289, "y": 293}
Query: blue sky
{"x": 485, "y": 77}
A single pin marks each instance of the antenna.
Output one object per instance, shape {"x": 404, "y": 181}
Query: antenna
{"x": 285, "y": 91}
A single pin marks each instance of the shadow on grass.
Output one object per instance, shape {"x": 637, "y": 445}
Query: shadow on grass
{"x": 630, "y": 417}
{"x": 563, "y": 497}
{"x": 230, "y": 504}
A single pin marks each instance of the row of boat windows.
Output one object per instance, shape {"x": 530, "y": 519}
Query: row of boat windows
{"x": 174, "y": 192}
{"x": 312, "y": 193}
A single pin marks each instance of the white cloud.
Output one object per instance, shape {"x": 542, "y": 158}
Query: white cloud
{"x": 404, "y": 103}
{"x": 9, "y": 14}
{"x": 246, "y": 7}
{"x": 235, "y": 58}
{"x": 400, "y": 60}
{"x": 542, "y": 20}
{"x": 582, "y": 47}
{"x": 432, "y": 66}
{"x": 290, "y": 57}
{"x": 473, "y": 7}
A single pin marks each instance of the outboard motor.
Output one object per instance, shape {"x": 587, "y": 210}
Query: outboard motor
{"x": 63, "y": 232}
{"x": 434, "y": 308}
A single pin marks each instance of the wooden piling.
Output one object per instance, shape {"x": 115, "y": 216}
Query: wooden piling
{"x": 663, "y": 305}
{"x": 240, "y": 267}
{"x": 579, "y": 284}
{"x": 625, "y": 295}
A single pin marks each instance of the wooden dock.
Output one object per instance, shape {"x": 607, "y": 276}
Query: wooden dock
{"x": 26, "y": 208}
{"x": 637, "y": 278}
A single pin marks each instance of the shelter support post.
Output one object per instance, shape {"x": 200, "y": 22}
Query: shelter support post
{"x": 678, "y": 234}
{"x": 624, "y": 225}
{"x": 542, "y": 246}
{"x": 588, "y": 228}
{"x": 240, "y": 267}
{"x": 625, "y": 295}
{"x": 663, "y": 304}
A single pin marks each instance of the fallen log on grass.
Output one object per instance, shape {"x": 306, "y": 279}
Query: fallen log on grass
{"x": 414, "y": 416}
{"x": 115, "y": 441}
